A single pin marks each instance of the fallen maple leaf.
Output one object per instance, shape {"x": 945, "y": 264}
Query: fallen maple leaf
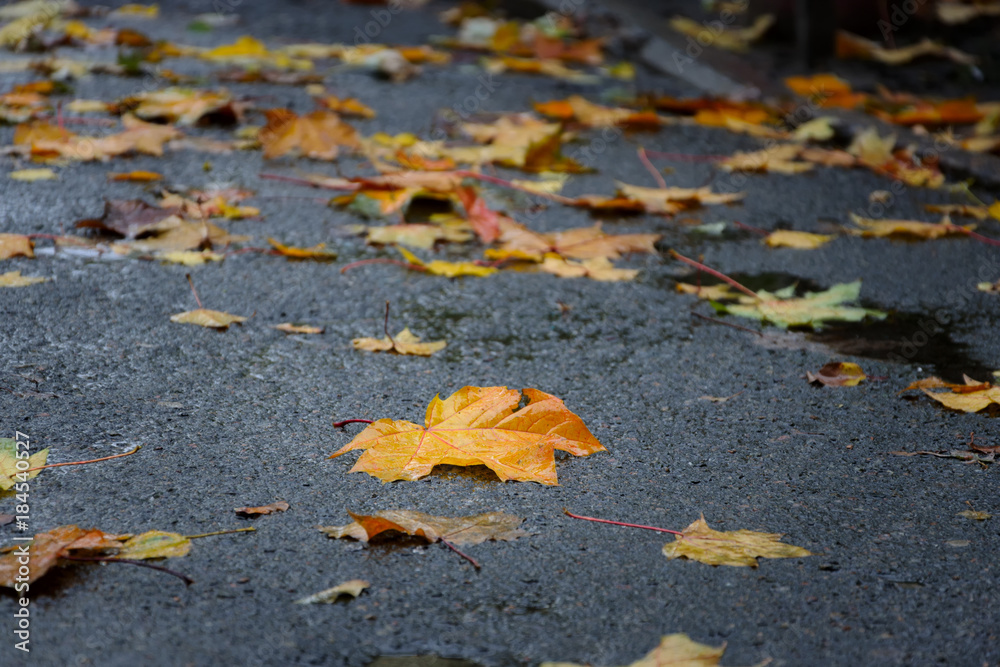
{"x": 277, "y": 506}
{"x": 784, "y": 238}
{"x": 473, "y": 529}
{"x": 154, "y": 544}
{"x": 854, "y": 46}
{"x": 15, "y": 279}
{"x": 779, "y": 159}
{"x": 135, "y": 176}
{"x": 402, "y": 343}
{"x": 316, "y": 252}
{"x": 318, "y": 135}
{"x": 16, "y": 245}
{"x": 972, "y": 396}
{"x": 417, "y": 235}
{"x": 440, "y": 267}
{"x": 910, "y": 229}
{"x": 352, "y": 588}
{"x": 595, "y": 115}
{"x": 595, "y": 268}
{"x": 182, "y": 106}
{"x": 838, "y": 374}
{"x": 975, "y": 515}
{"x": 784, "y": 309}
{"x": 731, "y": 39}
{"x": 10, "y": 472}
{"x": 677, "y": 650}
{"x": 33, "y": 175}
{"x": 48, "y": 548}
{"x": 189, "y": 257}
{"x": 739, "y": 548}
{"x": 212, "y": 319}
{"x": 473, "y": 426}
{"x": 129, "y": 218}
{"x": 581, "y": 243}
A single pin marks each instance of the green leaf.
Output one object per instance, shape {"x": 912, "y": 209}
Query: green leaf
{"x": 812, "y": 310}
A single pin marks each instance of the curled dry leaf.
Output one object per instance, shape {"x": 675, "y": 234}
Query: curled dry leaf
{"x": 417, "y": 235}
{"x": 677, "y": 650}
{"x": 290, "y": 328}
{"x": 212, "y": 319}
{"x": 189, "y": 257}
{"x": 779, "y": 160}
{"x": 402, "y": 343}
{"x": 838, "y": 374}
{"x": 476, "y": 426}
{"x": 739, "y": 548}
{"x": 10, "y": 473}
{"x": 352, "y": 589}
{"x": 581, "y": 243}
{"x": 277, "y": 506}
{"x": 15, "y": 245}
{"x": 49, "y": 547}
{"x": 473, "y": 529}
{"x": 15, "y": 279}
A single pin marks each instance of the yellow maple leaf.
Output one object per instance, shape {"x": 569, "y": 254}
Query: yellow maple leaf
{"x": 784, "y": 238}
{"x": 212, "y": 319}
{"x": 737, "y": 547}
{"x": 402, "y": 343}
{"x": 476, "y": 426}
{"x": 15, "y": 279}
{"x": 440, "y": 267}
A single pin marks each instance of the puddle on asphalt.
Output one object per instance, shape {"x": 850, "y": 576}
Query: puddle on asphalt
{"x": 420, "y": 661}
{"x": 901, "y": 337}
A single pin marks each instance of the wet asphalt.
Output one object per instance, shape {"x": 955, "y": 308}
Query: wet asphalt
{"x": 92, "y": 366}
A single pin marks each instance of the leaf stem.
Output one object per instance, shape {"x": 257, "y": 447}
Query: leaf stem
{"x": 460, "y": 553}
{"x": 751, "y": 228}
{"x": 385, "y": 324}
{"x": 80, "y": 463}
{"x": 193, "y": 290}
{"x": 728, "y": 324}
{"x": 344, "y": 422}
{"x": 221, "y": 532}
{"x": 721, "y": 276}
{"x": 650, "y": 168}
{"x": 978, "y": 237}
{"x": 621, "y": 523}
{"x": 111, "y": 559}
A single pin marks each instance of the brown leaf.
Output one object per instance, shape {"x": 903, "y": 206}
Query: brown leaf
{"x": 318, "y": 135}
{"x": 457, "y": 530}
{"x": 277, "y": 506}
{"x": 47, "y": 548}
{"x": 128, "y": 217}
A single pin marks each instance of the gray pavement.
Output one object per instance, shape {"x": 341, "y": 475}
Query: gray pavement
{"x": 91, "y": 366}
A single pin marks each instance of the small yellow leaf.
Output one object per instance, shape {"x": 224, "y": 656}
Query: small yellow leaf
{"x": 9, "y": 470}
{"x": 316, "y": 252}
{"x": 290, "y": 328}
{"x": 32, "y": 175}
{"x": 784, "y": 238}
{"x": 838, "y": 374}
{"x": 136, "y": 176}
{"x": 155, "y": 544}
{"x": 15, "y": 279}
{"x": 352, "y": 588}
{"x": 203, "y": 317}
{"x": 448, "y": 269}
{"x": 676, "y": 650}
{"x": 402, "y": 343}
{"x": 190, "y": 257}
{"x": 15, "y": 245}
{"x": 737, "y": 547}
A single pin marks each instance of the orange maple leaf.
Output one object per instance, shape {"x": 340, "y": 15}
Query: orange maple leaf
{"x": 318, "y": 135}
{"x": 476, "y": 426}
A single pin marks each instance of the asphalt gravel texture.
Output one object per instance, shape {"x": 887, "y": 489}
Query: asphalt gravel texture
{"x": 91, "y": 366}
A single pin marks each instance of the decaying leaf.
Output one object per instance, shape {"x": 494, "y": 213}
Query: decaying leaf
{"x": 473, "y": 529}
{"x": 972, "y": 396}
{"x": 15, "y": 245}
{"x": 666, "y": 201}
{"x": 418, "y": 235}
{"x": 351, "y": 589}
{"x": 212, "y": 319}
{"x": 15, "y": 279}
{"x": 277, "y": 506}
{"x": 10, "y": 473}
{"x": 737, "y": 547}
{"x": 910, "y": 229}
{"x": 784, "y": 238}
{"x": 45, "y": 142}
{"x": 476, "y": 426}
{"x": 784, "y": 309}
{"x": 319, "y": 135}
{"x": 182, "y": 106}
{"x": 290, "y": 328}
{"x": 838, "y": 374}
{"x": 402, "y": 343}
{"x": 854, "y": 46}
{"x": 48, "y": 548}
{"x": 677, "y": 650}
{"x": 316, "y": 252}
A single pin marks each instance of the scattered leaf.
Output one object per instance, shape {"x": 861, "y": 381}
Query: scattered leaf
{"x": 473, "y": 426}
{"x": 352, "y": 589}
{"x": 190, "y": 257}
{"x": 155, "y": 544}
{"x": 909, "y": 229}
{"x": 15, "y": 279}
{"x": 473, "y": 529}
{"x": 319, "y": 135}
{"x": 290, "y": 328}
{"x": 838, "y": 374}
{"x": 277, "y": 506}
{"x": 581, "y": 243}
{"x": 212, "y": 319}
{"x": 779, "y": 160}
{"x": 972, "y": 396}
{"x": 402, "y": 343}
{"x": 730, "y": 38}
{"x": 975, "y": 516}
{"x": 440, "y": 267}
{"x": 32, "y": 175}
{"x": 784, "y": 238}
{"x": 677, "y": 650}
{"x": 316, "y": 252}
{"x": 10, "y": 474}
{"x": 15, "y": 245}
{"x": 48, "y": 548}
{"x": 737, "y": 548}
{"x": 785, "y": 310}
